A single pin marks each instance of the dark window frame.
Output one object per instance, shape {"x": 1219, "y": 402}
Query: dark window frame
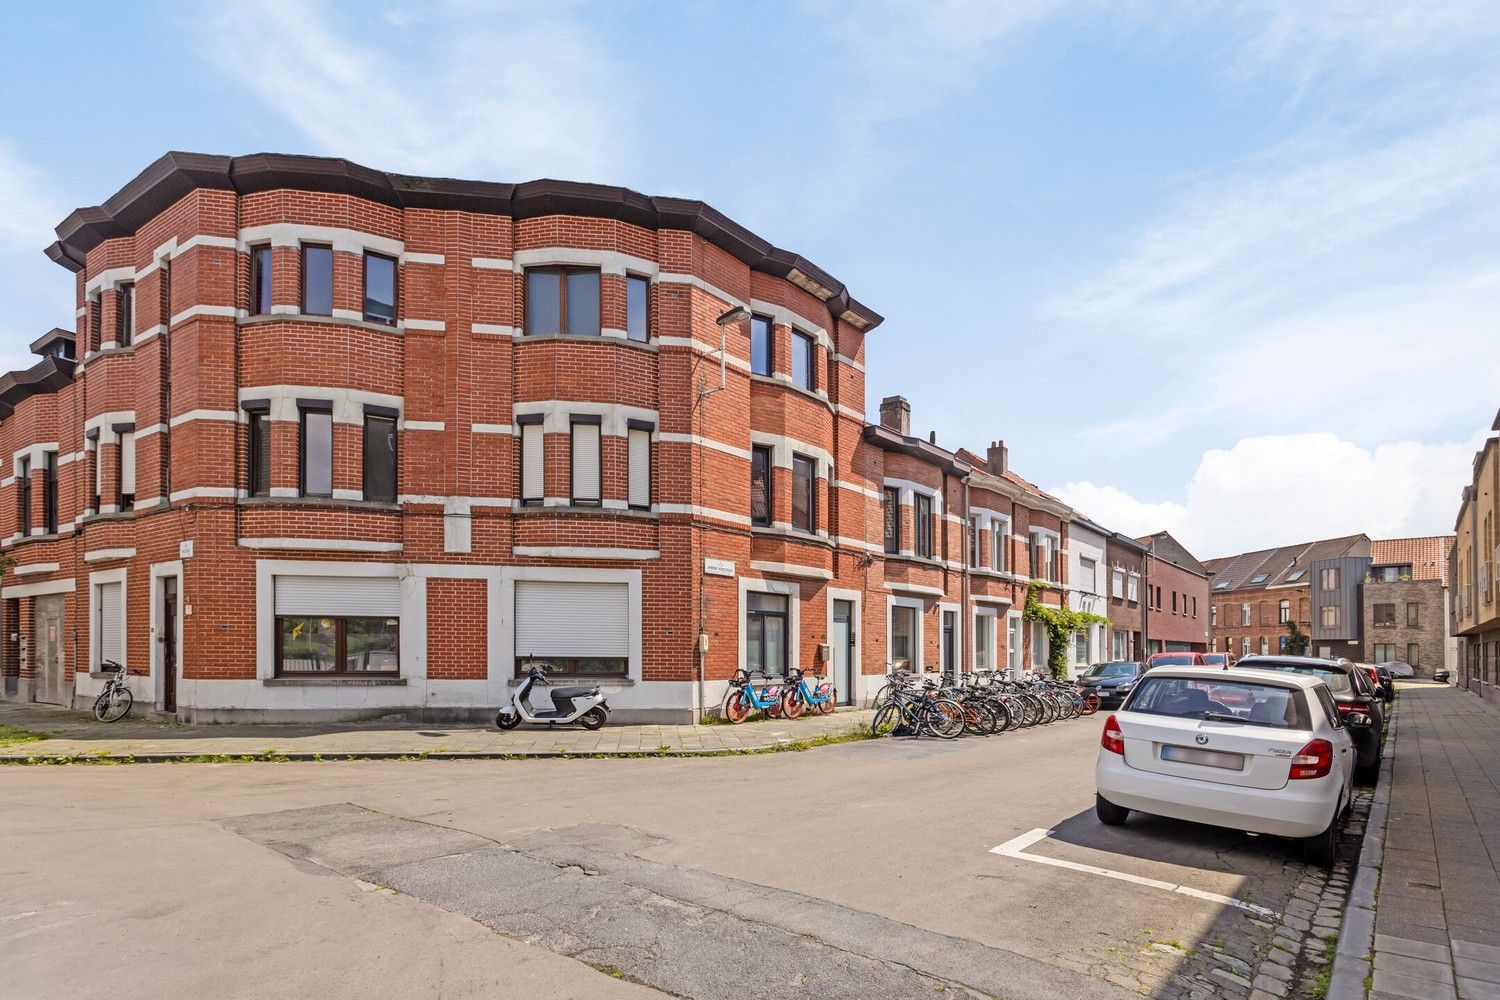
{"x": 95, "y": 470}
{"x": 125, "y": 314}
{"x": 756, "y": 618}
{"x": 381, "y": 415}
{"x": 921, "y": 525}
{"x": 809, "y": 344}
{"x": 49, "y": 492}
{"x": 1383, "y": 615}
{"x": 891, "y": 518}
{"x": 257, "y": 412}
{"x": 262, "y": 271}
{"x": 364, "y": 303}
{"x": 562, "y": 272}
{"x": 574, "y": 422}
{"x": 302, "y": 272}
{"x": 341, "y": 649}
{"x": 523, "y": 421}
{"x": 632, "y": 427}
{"x": 767, "y": 489}
{"x": 630, "y": 280}
{"x": 770, "y": 328}
{"x": 304, "y": 408}
{"x": 811, "y": 465}
{"x": 23, "y": 495}
{"x": 1413, "y": 615}
{"x": 124, "y": 501}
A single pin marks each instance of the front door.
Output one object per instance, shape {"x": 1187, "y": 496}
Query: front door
{"x": 169, "y": 644}
{"x": 842, "y": 641}
{"x": 950, "y": 649}
{"x": 48, "y": 685}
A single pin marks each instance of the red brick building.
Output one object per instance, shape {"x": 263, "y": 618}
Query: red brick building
{"x": 1176, "y": 597}
{"x": 331, "y": 442}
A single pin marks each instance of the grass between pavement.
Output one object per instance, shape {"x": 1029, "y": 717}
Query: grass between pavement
{"x": 13, "y": 735}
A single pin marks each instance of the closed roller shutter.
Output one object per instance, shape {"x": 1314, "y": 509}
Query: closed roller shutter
{"x": 111, "y": 623}
{"x": 640, "y": 467}
{"x": 586, "y": 462}
{"x": 564, "y": 618}
{"x": 338, "y": 596}
{"x": 532, "y": 452}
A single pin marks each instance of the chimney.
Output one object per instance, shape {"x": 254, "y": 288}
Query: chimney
{"x": 895, "y": 414}
{"x": 998, "y": 458}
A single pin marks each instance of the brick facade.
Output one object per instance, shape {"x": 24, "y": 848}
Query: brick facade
{"x": 1406, "y": 621}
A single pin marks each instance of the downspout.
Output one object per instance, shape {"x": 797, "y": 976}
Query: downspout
{"x": 1146, "y": 606}
{"x": 969, "y": 558}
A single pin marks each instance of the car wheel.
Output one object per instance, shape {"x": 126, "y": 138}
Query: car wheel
{"x": 1323, "y": 848}
{"x": 1109, "y": 814}
{"x": 1367, "y": 773}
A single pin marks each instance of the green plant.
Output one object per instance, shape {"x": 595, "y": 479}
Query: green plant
{"x": 1296, "y": 640}
{"x": 1061, "y": 624}
{"x": 14, "y": 734}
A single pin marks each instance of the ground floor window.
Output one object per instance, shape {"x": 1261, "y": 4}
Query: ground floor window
{"x": 1414, "y": 654}
{"x": 1245, "y": 646}
{"x": 1119, "y": 646}
{"x": 903, "y": 637}
{"x": 109, "y": 623}
{"x": 1038, "y": 646}
{"x": 984, "y": 637}
{"x": 766, "y": 630}
{"x": 1013, "y": 644}
{"x": 329, "y": 645}
{"x": 1385, "y": 652}
{"x": 572, "y": 627}
{"x": 1080, "y": 648}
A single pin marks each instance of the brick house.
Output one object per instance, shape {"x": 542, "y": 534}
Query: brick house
{"x": 1254, "y": 594}
{"x": 1475, "y": 563}
{"x": 1127, "y": 607}
{"x": 1176, "y": 597}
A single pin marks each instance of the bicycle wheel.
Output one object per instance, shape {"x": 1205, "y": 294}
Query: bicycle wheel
{"x": 792, "y": 703}
{"x": 827, "y": 706}
{"x": 1003, "y": 719}
{"x": 736, "y": 706}
{"x": 883, "y": 697}
{"x": 113, "y": 705}
{"x": 944, "y": 717}
{"x": 989, "y": 722}
{"x": 887, "y": 720}
{"x": 1090, "y": 703}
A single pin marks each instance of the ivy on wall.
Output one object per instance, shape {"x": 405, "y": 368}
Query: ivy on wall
{"x": 1061, "y": 624}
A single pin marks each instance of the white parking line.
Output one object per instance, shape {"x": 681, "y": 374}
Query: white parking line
{"x": 1016, "y": 848}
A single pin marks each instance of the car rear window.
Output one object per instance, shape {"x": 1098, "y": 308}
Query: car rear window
{"x": 1123, "y": 669}
{"x": 1241, "y": 701}
{"x": 1181, "y": 660}
{"x": 1337, "y": 680}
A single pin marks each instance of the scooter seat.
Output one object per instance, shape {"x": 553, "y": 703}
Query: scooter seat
{"x": 573, "y": 692}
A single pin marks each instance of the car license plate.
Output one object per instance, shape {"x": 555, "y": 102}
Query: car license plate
{"x": 1208, "y": 758}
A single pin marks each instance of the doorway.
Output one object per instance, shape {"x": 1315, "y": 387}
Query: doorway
{"x": 168, "y": 644}
{"x": 48, "y": 683}
{"x": 842, "y": 641}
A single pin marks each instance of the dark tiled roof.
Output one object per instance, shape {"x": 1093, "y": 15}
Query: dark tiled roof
{"x": 1277, "y": 567}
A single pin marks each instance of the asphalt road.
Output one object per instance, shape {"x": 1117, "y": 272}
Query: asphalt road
{"x": 855, "y": 870}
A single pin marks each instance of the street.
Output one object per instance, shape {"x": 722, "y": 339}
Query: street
{"x": 861, "y": 869}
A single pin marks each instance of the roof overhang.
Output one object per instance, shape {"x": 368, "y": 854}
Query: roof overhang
{"x": 47, "y": 375}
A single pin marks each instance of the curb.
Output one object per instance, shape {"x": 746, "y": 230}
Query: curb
{"x": 1356, "y": 946}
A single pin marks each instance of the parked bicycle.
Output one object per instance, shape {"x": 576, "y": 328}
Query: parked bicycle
{"x": 743, "y": 697}
{"x": 115, "y": 700}
{"x": 982, "y": 702}
{"x": 798, "y": 697}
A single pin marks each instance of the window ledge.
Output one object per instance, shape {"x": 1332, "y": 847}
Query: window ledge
{"x": 119, "y": 515}
{"x": 591, "y": 510}
{"x": 792, "y": 535}
{"x": 369, "y": 505}
{"x": 109, "y": 352}
{"x": 917, "y": 560}
{"x": 260, "y": 320}
{"x": 812, "y": 394}
{"x": 584, "y": 338}
{"x": 313, "y": 680}
{"x": 47, "y": 537}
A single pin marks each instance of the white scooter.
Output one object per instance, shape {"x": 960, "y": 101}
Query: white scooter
{"x": 583, "y": 705}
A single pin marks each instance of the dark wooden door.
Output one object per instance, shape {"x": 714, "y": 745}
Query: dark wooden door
{"x": 169, "y": 644}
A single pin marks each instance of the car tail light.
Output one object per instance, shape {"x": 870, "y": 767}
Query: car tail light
{"x": 1112, "y": 740}
{"x": 1313, "y": 761}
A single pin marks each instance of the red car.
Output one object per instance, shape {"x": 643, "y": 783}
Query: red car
{"x": 1176, "y": 660}
{"x": 1218, "y": 660}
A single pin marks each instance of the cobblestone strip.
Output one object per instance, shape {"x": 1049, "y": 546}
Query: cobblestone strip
{"x": 1356, "y": 938}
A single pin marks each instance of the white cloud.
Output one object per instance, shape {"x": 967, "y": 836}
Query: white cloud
{"x": 28, "y": 210}
{"x": 522, "y": 93}
{"x": 1280, "y": 489}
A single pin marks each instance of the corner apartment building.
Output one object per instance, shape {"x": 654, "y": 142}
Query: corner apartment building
{"x": 1177, "y": 597}
{"x": 1405, "y": 603}
{"x": 1475, "y": 560}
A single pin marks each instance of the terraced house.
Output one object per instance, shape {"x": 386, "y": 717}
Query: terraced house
{"x": 331, "y": 442}
{"x": 1474, "y": 562}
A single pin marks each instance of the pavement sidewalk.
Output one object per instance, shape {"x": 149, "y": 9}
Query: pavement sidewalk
{"x": 1437, "y": 911}
{"x": 74, "y": 735}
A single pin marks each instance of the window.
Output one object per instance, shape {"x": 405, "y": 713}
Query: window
{"x": 125, "y": 470}
{"x": 1329, "y": 578}
{"x": 1385, "y": 652}
{"x": 1385, "y": 616}
{"x": 1119, "y": 644}
{"x": 125, "y": 315}
{"x": 766, "y": 634}
{"x": 999, "y": 542}
{"x": 1329, "y": 615}
{"x": 1229, "y": 644}
{"x": 380, "y": 455}
{"x": 316, "y": 435}
{"x": 1195, "y": 607}
{"x": 804, "y": 361}
{"x": 1132, "y": 588}
{"x": 1088, "y": 575}
{"x": 804, "y": 494}
{"x": 903, "y": 637}
{"x": 1013, "y": 644}
{"x": 891, "y": 511}
{"x": 1284, "y": 612}
{"x": 1413, "y": 616}
{"x": 1244, "y": 614}
{"x": 260, "y": 281}
{"x": 1293, "y": 578}
{"x": 98, "y": 452}
{"x": 1117, "y": 584}
{"x": 1080, "y": 647}
{"x": 922, "y": 518}
{"x": 587, "y": 459}
{"x": 760, "y": 486}
{"x": 260, "y": 451}
{"x": 637, "y": 308}
{"x": 380, "y": 289}
{"x": 1043, "y": 556}
{"x": 1245, "y": 646}
{"x": 49, "y": 492}
{"x": 1265, "y": 645}
{"x": 562, "y": 300}
{"x": 984, "y": 635}
{"x": 317, "y": 280}
{"x": 533, "y": 454}
{"x": 1258, "y": 578}
{"x": 1188, "y": 698}
{"x": 23, "y": 494}
{"x": 1038, "y": 646}
{"x": 760, "y": 345}
{"x": 341, "y": 645}
{"x": 1413, "y": 654}
{"x": 974, "y": 541}
{"x": 1174, "y": 602}
{"x": 639, "y": 486}
{"x": 1213, "y": 616}
{"x": 109, "y": 623}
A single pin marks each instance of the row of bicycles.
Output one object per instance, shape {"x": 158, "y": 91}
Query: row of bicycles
{"x": 981, "y": 704}
{"x": 779, "y": 697}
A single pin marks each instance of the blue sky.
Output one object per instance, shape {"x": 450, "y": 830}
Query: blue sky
{"x": 1229, "y": 269}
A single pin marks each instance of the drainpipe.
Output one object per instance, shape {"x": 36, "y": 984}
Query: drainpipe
{"x": 965, "y": 647}
{"x": 1146, "y": 606}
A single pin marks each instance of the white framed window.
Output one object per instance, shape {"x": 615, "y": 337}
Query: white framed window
{"x": 109, "y": 623}
{"x": 1119, "y": 646}
{"x": 126, "y": 493}
{"x": 587, "y": 458}
{"x": 1117, "y": 584}
{"x": 1038, "y": 646}
{"x": 1133, "y": 588}
{"x": 1013, "y": 643}
{"x": 904, "y": 633}
{"x": 999, "y": 543}
{"x": 639, "y": 449}
{"x": 533, "y": 459}
{"x": 1088, "y": 575}
{"x": 1044, "y": 551}
{"x": 1244, "y": 614}
{"x": 1245, "y": 646}
{"x": 1265, "y": 645}
{"x": 984, "y": 640}
{"x": 1081, "y": 648}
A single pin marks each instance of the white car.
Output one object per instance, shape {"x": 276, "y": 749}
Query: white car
{"x": 1256, "y": 750}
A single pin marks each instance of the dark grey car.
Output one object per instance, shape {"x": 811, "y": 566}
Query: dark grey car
{"x": 1112, "y": 681}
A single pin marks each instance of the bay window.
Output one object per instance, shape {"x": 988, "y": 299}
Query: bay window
{"x": 562, "y": 300}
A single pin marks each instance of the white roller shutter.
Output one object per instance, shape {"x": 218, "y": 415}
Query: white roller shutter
{"x": 640, "y": 468}
{"x": 566, "y": 618}
{"x": 532, "y": 453}
{"x": 111, "y": 623}
{"x": 339, "y": 596}
{"x": 586, "y": 462}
